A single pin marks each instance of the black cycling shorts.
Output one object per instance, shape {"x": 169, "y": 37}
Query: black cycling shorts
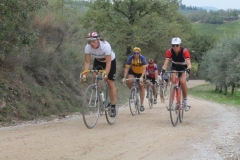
{"x": 135, "y": 74}
{"x": 102, "y": 65}
{"x": 178, "y": 67}
{"x": 151, "y": 79}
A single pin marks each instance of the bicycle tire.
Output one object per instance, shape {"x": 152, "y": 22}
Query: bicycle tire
{"x": 173, "y": 106}
{"x": 90, "y": 106}
{"x": 181, "y": 112}
{"x": 138, "y": 101}
{"x": 133, "y": 101}
{"x": 150, "y": 97}
{"x": 111, "y": 120}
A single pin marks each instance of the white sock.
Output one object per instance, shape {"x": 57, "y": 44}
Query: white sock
{"x": 186, "y": 101}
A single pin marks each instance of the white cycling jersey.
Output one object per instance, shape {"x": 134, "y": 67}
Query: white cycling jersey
{"x": 100, "y": 53}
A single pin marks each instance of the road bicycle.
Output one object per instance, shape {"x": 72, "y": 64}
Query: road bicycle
{"x": 134, "y": 98}
{"x": 150, "y": 95}
{"x": 176, "y": 105}
{"x": 160, "y": 92}
{"x": 93, "y": 101}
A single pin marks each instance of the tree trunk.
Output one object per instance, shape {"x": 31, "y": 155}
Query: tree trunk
{"x": 225, "y": 89}
{"x": 128, "y": 51}
{"x": 233, "y": 87}
{"x": 220, "y": 90}
{"x": 216, "y": 89}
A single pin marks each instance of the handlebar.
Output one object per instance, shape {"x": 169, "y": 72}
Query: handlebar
{"x": 92, "y": 71}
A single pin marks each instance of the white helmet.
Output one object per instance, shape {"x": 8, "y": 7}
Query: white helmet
{"x": 176, "y": 40}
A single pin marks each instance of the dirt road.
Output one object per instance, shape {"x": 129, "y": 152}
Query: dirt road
{"x": 209, "y": 131}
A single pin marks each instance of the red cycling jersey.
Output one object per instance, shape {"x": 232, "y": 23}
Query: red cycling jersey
{"x": 151, "y": 70}
{"x": 180, "y": 58}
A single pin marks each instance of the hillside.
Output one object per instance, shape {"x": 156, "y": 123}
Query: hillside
{"x": 229, "y": 28}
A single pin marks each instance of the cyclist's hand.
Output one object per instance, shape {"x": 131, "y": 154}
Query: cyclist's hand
{"x": 106, "y": 77}
{"x": 124, "y": 80}
{"x": 188, "y": 70}
{"x": 163, "y": 71}
{"x": 83, "y": 78}
{"x": 141, "y": 80}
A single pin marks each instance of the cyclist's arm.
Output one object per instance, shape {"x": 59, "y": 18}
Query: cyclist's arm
{"x": 108, "y": 63}
{"x": 165, "y": 64}
{"x": 87, "y": 61}
{"x": 143, "y": 71}
{"x": 168, "y": 56}
{"x": 126, "y": 71}
{"x": 187, "y": 56}
{"x": 189, "y": 63}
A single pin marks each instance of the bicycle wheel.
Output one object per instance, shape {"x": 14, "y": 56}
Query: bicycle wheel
{"x": 181, "y": 111}
{"x": 133, "y": 101}
{"x": 150, "y": 97}
{"x": 111, "y": 120}
{"x": 90, "y": 106}
{"x": 138, "y": 100}
{"x": 173, "y": 105}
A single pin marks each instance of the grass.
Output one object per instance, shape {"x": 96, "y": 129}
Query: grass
{"x": 207, "y": 92}
{"x": 230, "y": 28}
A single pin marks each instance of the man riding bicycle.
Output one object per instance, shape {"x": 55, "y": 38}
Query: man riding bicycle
{"x": 152, "y": 76}
{"x": 104, "y": 59}
{"x": 136, "y": 68}
{"x": 180, "y": 62}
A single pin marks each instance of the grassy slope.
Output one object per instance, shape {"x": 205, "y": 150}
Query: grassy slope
{"x": 218, "y": 30}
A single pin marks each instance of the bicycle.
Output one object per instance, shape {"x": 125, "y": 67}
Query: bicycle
{"x": 134, "y": 98}
{"x": 93, "y": 103}
{"x": 176, "y": 105}
{"x": 160, "y": 91}
{"x": 150, "y": 95}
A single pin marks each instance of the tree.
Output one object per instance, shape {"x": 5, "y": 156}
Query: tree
{"x": 136, "y": 23}
{"x": 15, "y": 18}
{"x": 200, "y": 45}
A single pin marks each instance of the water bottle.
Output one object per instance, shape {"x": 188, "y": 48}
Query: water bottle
{"x": 102, "y": 96}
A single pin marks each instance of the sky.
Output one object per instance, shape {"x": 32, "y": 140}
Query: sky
{"x": 219, "y": 4}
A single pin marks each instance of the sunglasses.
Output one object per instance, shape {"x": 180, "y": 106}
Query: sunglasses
{"x": 136, "y": 53}
{"x": 175, "y": 45}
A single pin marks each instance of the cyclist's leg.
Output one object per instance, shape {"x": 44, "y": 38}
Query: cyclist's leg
{"x": 154, "y": 90}
{"x": 130, "y": 75}
{"x": 112, "y": 87}
{"x": 184, "y": 89}
{"x": 142, "y": 92}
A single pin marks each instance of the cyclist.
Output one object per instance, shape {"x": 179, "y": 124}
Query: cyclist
{"x": 152, "y": 76}
{"x": 104, "y": 59}
{"x": 136, "y": 67}
{"x": 180, "y": 62}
